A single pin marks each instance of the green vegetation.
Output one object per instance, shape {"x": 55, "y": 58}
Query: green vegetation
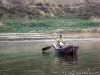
{"x": 52, "y": 23}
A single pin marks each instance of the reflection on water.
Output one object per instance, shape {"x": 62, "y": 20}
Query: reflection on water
{"x": 68, "y": 58}
{"x": 26, "y": 58}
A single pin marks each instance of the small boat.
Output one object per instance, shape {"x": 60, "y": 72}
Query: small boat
{"x": 69, "y": 49}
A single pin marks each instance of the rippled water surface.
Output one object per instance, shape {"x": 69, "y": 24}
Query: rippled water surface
{"x": 27, "y": 58}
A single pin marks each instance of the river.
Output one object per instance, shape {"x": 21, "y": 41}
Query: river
{"x": 27, "y": 58}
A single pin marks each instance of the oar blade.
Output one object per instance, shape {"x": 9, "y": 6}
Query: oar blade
{"x": 46, "y": 48}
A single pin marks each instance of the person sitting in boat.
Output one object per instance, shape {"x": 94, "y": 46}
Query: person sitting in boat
{"x": 61, "y": 42}
{"x": 61, "y": 39}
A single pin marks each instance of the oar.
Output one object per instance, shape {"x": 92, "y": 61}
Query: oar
{"x": 46, "y": 48}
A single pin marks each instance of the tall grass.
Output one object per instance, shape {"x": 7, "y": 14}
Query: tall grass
{"x": 52, "y": 23}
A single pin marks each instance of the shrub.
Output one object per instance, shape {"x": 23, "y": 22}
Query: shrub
{"x": 47, "y": 4}
{"x": 39, "y": 4}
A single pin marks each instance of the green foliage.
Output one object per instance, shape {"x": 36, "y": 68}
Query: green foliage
{"x": 3, "y": 29}
{"x": 52, "y": 23}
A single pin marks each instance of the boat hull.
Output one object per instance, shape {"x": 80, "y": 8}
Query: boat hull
{"x": 68, "y": 50}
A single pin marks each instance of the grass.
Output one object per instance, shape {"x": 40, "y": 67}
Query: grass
{"x": 53, "y": 23}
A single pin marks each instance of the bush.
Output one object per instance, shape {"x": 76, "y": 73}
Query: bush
{"x": 47, "y": 4}
{"x": 53, "y": 23}
{"x": 39, "y": 4}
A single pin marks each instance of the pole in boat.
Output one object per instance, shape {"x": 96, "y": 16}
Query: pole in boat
{"x": 48, "y": 47}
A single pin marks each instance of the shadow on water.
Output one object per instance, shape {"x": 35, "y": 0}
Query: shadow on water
{"x": 65, "y": 57}
{"x": 45, "y": 53}
{"x": 62, "y": 56}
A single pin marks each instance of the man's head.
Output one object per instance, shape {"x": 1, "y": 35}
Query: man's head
{"x": 60, "y": 36}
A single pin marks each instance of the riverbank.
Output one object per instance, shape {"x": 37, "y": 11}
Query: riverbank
{"x": 48, "y": 37}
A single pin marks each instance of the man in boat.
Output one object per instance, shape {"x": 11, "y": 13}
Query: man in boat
{"x": 61, "y": 39}
{"x": 61, "y": 42}
{"x": 66, "y": 48}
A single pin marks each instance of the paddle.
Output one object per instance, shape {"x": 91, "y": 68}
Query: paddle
{"x": 46, "y": 48}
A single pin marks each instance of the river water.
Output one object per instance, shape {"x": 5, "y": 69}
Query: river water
{"x": 27, "y": 58}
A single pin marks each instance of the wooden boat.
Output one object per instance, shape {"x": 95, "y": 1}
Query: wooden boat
{"x": 67, "y": 50}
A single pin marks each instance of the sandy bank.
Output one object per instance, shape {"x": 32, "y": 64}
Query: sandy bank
{"x": 48, "y": 36}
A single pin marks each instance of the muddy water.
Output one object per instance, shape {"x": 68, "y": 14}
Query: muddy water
{"x": 26, "y": 58}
